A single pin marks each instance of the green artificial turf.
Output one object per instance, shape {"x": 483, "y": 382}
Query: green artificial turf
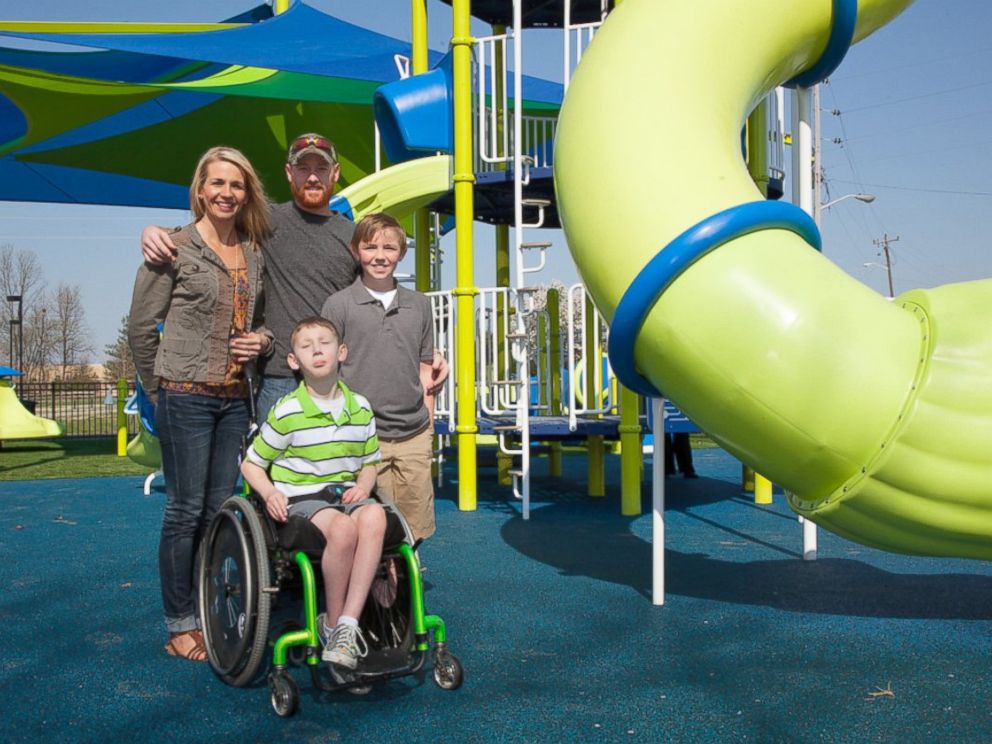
{"x": 33, "y": 459}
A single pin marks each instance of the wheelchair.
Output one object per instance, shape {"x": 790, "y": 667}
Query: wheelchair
{"x": 249, "y": 563}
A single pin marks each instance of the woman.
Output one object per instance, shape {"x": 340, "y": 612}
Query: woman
{"x": 210, "y": 301}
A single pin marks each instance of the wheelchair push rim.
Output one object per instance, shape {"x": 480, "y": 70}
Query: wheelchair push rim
{"x": 234, "y": 603}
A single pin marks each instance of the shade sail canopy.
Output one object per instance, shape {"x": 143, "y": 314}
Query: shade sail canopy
{"x": 125, "y": 121}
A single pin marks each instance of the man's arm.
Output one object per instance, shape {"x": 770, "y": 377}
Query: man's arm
{"x": 157, "y": 247}
{"x": 275, "y": 500}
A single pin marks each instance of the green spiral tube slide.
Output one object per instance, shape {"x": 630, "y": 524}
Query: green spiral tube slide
{"x": 875, "y": 414}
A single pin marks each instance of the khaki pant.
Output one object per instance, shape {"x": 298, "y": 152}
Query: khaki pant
{"x": 405, "y": 479}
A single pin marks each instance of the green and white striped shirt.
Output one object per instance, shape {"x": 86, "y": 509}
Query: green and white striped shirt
{"x": 305, "y": 448}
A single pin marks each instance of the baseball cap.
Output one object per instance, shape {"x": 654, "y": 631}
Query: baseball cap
{"x": 309, "y": 143}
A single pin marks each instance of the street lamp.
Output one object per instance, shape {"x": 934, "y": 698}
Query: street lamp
{"x": 20, "y": 331}
{"x": 866, "y": 198}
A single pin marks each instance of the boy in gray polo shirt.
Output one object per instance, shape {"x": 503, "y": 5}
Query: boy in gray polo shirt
{"x": 390, "y": 332}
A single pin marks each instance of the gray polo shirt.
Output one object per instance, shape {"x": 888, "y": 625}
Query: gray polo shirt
{"x": 385, "y": 349}
{"x": 306, "y": 259}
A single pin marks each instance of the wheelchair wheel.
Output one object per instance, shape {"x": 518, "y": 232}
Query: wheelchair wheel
{"x": 283, "y": 693}
{"x": 448, "y": 672}
{"x": 234, "y": 606}
{"x": 386, "y": 617}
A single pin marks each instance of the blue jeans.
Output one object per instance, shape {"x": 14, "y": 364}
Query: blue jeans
{"x": 271, "y": 391}
{"x": 200, "y": 437}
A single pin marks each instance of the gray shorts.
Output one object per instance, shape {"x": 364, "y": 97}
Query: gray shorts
{"x": 329, "y": 498}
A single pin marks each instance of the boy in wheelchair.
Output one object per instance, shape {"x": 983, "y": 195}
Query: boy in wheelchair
{"x": 315, "y": 456}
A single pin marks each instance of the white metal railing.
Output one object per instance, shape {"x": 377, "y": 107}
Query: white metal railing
{"x": 577, "y": 37}
{"x": 502, "y": 385}
{"x": 505, "y": 329}
{"x": 539, "y": 139}
{"x": 583, "y": 317}
{"x": 495, "y": 366}
{"x": 494, "y": 110}
{"x": 443, "y": 310}
{"x": 510, "y": 379}
{"x": 492, "y": 124}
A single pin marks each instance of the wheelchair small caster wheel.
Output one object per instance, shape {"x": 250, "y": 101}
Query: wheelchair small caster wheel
{"x": 448, "y": 672}
{"x": 283, "y": 693}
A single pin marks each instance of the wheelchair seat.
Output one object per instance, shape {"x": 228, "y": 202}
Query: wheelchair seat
{"x": 299, "y": 533}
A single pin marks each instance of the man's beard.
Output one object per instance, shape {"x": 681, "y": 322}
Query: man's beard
{"x": 311, "y": 199}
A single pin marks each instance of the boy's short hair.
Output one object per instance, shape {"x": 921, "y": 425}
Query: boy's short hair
{"x": 313, "y": 320}
{"x": 370, "y": 224}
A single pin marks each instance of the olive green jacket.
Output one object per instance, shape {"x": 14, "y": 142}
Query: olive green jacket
{"x": 194, "y": 298}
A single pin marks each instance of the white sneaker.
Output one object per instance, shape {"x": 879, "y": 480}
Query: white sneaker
{"x": 345, "y": 647}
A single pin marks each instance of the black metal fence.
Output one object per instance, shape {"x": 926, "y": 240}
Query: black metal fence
{"x": 85, "y": 409}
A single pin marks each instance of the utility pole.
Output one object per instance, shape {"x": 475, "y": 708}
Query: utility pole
{"x": 884, "y": 244}
{"x": 817, "y": 157}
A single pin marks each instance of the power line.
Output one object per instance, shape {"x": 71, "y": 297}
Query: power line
{"x": 909, "y": 188}
{"x": 919, "y": 97}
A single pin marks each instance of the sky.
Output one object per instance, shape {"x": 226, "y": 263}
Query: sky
{"x": 905, "y": 118}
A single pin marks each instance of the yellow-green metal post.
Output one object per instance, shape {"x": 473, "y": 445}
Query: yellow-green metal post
{"x": 121, "y": 418}
{"x": 631, "y": 452}
{"x": 418, "y": 28}
{"x": 554, "y": 351}
{"x": 762, "y": 489}
{"x": 595, "y": 445}
{"x": 757, "y": 164}
{"x": 465, "y": 291}
{"x": 757, "y": 146}
{"x": 421, "y": 217}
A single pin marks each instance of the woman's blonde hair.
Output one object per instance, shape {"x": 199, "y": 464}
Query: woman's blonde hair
{"x": 253, "y": 217}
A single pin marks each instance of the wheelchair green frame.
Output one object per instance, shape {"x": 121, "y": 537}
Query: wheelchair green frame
{"x": 254, "y": 610}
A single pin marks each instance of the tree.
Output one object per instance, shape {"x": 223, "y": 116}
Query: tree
{"x": 69, "y": 328}
{"x": 119, "y": 362}
{"x": 20, "y": 274}
{"x": 40, "y": 340}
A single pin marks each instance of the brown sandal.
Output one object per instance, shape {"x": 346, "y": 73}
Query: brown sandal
{"x": 195, "y": 652}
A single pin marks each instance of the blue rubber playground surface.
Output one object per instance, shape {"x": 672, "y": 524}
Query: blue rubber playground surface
{"x": 551, "y": 618}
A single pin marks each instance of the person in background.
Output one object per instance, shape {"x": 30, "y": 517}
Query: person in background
{"x": 678, "y": 450}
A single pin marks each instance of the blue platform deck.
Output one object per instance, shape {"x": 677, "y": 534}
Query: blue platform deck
{"x": 547, "y": 427}
{"x": 551, "y": 618}
{"x": 493, "y": 198}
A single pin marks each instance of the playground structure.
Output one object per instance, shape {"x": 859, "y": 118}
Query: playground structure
{"x": 756, "y": 342}
{"x": 16, "y": 421}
